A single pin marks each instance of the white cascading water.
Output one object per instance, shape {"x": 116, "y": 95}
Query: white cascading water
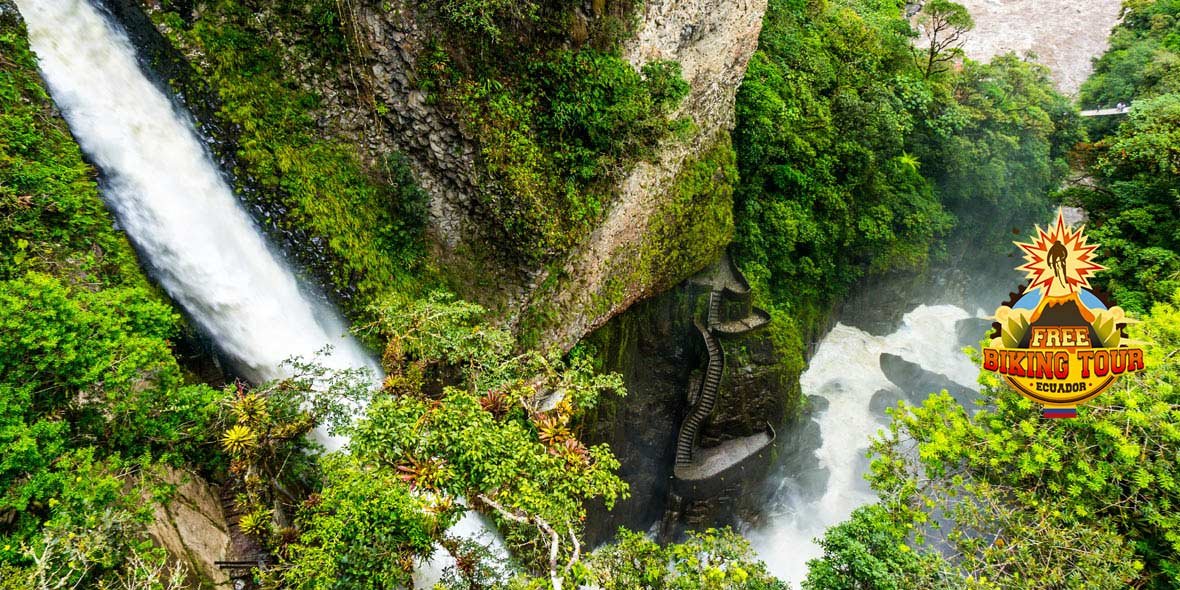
{"x": 168, "y": 195}
{"x": 205, "y": 251}
{"x": 846, "y": 371}
{"x": 170, "y": 199}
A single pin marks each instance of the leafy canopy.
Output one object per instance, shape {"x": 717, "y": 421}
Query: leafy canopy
{"x": 1011, "y": 500}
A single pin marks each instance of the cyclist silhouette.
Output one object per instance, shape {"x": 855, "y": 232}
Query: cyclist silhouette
{"x": 1057, "y": 258}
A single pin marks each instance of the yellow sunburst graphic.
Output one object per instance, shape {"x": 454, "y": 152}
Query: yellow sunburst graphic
{"x": 1059, "y": 260}
{"x": 1059, "y": 345}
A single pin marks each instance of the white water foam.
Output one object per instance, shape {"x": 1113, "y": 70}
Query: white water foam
{"x": 169, "y": 197}
{"x": 846, "y": 371}
{"x": 178, "y": 210}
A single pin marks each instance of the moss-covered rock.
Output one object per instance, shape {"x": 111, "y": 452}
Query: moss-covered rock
{"x": 685, "y": 229}
{"x": 281, "y": 102}
{"x": 659, "y": 351}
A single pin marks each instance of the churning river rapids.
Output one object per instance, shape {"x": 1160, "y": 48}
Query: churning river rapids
{"x": 202, "y": 247}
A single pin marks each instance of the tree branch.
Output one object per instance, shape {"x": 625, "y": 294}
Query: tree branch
{"x": 540, "y": 523}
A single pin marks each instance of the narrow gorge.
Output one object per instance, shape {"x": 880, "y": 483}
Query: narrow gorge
{"x": 603, "y": 294}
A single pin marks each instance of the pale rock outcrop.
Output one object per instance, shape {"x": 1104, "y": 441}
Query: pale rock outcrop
{"x": 1064, "y": 34}
{"x": 192, "y": 528}
{"x": 711, "y": 39}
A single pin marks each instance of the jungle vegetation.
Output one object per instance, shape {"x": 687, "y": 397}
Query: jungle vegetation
{"x": 993, "y": 496}
{"x": 858, "y": 152}
{"x": 95, "y": 407}
{"x": 1131, "y": 167}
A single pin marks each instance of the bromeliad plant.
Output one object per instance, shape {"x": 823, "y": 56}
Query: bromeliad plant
{"x": 463, "y": 421}
{"x": 267, "y": 439}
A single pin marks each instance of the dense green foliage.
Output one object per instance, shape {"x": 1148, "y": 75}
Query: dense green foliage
{"x": 827, "y": 187}
{"x": 485, "y": 441}
{"x": 92, "y": 400}
{"x": 1015, "y": 501}
{"x": 708, "y": 560}
{"x": 996, "y": 151}
{"x": 361, "y": 226}
{"x": 871, "y": 550}
{"x": 557, "y": 126}
{"x": 555, "y": 142}
{"x": 859, "y": 152}
{"x": 1133, "y": 201}
{"x": 1142, "y": 59}
{"x": 856, "y": 153}
{"x": 854, "y": 160}
{"x": 461, "y": 423}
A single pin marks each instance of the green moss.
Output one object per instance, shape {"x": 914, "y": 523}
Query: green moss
{"x": 490, "y": 26}
{"x": 690, "y": 229}
{"x": 559, "y": 115}
{"x": 695, "y": 222}
{"x": 51, "y": 217}
{"x": 363, "y": 224}
{"x": 613, "y": 348}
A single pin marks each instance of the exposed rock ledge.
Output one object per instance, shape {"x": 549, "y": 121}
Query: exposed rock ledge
{"x": 192, "y": 528}
{"x": 713, "y": 41}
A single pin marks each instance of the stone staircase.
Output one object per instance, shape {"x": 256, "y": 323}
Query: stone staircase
{"x": 706, "y": 399}
{"x": 243, "y": 552}
{"x": 728, "y": 287}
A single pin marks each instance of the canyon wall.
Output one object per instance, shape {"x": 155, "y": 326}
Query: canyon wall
{"x": 670, "y": 217}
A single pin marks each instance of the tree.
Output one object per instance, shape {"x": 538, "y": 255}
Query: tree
{"x": 363, "y": 529}
{"x": 872, "y": 550}
{"x": 994, "y": 142}
{"x": 87, "y": 371}
{"x": 944, "y": 25}
{"x": 1015, "y": 501}
{"x": 1143, "y": 60}
{"x": 95, "y": 537}
{"x": 462, "y": 422}
{"x": 1132, "y": 203}
{"x": 708, "y": 560}
{"x": 828, "y": 189}
{"x": 268, "y": 438}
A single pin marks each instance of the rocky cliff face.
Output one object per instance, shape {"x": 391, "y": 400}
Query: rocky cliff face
{"x": 657, "y": 347}
{"x": 711, "y": 39}
{"x": 192, "y": 528}
{"x": 1062, "y": 34}
{"x": 669, "y": 215}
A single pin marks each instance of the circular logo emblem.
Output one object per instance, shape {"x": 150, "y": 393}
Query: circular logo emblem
{"x": 1056, "y": 342}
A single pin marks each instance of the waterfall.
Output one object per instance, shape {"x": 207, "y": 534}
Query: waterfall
{"x": 168, "y": 195}
{"x": 846, "y": 373}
